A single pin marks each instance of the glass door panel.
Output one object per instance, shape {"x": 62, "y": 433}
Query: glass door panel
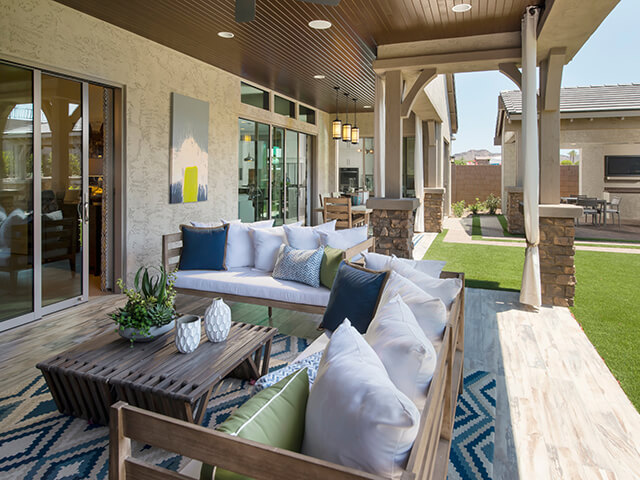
{"x": 278, "y": 191}
{"x": 304, "y": 157}
{"x": 16, "y": 192}
{"x": 292, "y": 176}
{"x": 62, "y": 189}
{"x": 262, "y": 172}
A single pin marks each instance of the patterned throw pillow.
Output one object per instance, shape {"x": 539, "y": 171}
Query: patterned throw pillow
{"x": 310, "y": 363}
{"x": 299, "y": 265}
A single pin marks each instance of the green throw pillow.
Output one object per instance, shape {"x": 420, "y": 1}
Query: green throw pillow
{"x": 329, "y": 266}
{"x": 274, "y": 416}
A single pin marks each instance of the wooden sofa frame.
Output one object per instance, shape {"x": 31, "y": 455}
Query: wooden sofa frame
{"x": 172, "y": 249}
{"x": 428, "y": 459}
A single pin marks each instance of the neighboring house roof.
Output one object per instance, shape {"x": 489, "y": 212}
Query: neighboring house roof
{"x": 584, "y": 99}
{"x": 600, "y": 101}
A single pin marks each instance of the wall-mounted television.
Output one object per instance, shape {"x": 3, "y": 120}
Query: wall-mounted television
{"x": 622, "y": 166}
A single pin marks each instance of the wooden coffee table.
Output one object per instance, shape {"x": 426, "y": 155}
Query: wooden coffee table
{"x": 86, "y": 380}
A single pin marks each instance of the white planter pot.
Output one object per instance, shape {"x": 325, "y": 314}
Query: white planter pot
{"x": 154, "y": 332}
{"x": 217, "y": 321}
{"x": 188, "y": 332}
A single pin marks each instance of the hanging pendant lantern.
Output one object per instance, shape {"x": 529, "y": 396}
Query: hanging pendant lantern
{"x": 355, "y": 131}
{"x": 346, "y": 128}
{"x": 337, "y": 124}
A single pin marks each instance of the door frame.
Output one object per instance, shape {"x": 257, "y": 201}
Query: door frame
{"x": 119, "y": 186}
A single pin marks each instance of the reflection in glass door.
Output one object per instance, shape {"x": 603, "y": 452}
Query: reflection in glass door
{"x": 292, "y": 178}
{"x": 63, "y": 189}
{"x": 304, "y": 156}
{"x": 16, "y": 192}
{"x": 278, "y": 190}
{"x": 253, "y": 171}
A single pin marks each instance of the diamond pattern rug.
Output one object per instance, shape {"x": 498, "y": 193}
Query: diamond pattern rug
{"x": 37, "y": 442}
{"x": 471, "y": 455}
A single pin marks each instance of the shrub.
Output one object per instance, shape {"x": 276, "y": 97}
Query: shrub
{"x": 475, "y": 207}
{"x": 458, "y": 208}
{"x": 492, "y": 203}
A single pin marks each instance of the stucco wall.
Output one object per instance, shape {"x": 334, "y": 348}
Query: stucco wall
{"x": 49, "y": 34}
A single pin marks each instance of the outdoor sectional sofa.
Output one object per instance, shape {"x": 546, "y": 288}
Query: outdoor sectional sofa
{"x": 248, "y": 285}
{"x": 428, "y": 458}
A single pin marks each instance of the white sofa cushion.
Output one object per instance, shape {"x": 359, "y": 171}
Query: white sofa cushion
{"x": 307, "y": 238}
{"x": 240, "y": 250}
{"x": 345, "y": 239}
{"x": 356, "y": 416}
{"x": 403, "y": 348}
{"x": 430, "y": 312}
{"x": 445, "y": 289}
{"x": 377, "y": 261}
{"x": 248, "y": 282}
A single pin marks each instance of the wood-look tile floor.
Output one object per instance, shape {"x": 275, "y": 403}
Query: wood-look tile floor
{"x": 560, "y": 412}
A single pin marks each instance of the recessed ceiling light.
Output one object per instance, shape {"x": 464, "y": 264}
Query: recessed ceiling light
{"x": 367, "y": 106}
{"x": 320, "y": 24}
{"x": 319, "y": 77}
{"x": 461, "y": 7}
{"x": 226, "y": 34}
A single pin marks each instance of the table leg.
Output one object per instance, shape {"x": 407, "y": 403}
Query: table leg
{"x": 265, "y": 358}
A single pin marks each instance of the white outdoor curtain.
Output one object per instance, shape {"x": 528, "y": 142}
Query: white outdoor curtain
{"x": 530, "y": 293}
{"x": 418, "y": 175}
{"x": 378, "y": 140}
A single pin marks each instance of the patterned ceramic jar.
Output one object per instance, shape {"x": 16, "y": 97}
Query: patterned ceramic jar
{"x": 217, "y": 321}
{"x": 187, "y": 333}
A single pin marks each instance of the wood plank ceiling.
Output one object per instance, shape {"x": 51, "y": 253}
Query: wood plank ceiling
{"x": 279, "y": 50}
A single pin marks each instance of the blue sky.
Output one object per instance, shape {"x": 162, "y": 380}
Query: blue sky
{"x": 610, "y": 56}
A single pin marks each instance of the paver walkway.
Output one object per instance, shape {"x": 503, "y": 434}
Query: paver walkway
{"x": 459, "y": 231}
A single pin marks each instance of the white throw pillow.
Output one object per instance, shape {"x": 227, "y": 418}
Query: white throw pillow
{"x": 307, "y": 238}
{"x": 266, "y": 244}
{"x": 344, "y": 239}
{"x": 403, "y": 348}
{"x": 376, "y": 261}
{"x": 356, "y": 416}
{"x": 240, "y": 245}
{"x": 445, "y": 289}
{"x": 206, "y": 225}
{"x": 430, "y": 312}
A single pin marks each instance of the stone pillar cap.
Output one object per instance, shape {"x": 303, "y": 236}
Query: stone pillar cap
{"x": 434, "y": 190}
{"x": 560, "y": 211}
{"x": 513, "y": 189}
{"x": 381, "y": 203}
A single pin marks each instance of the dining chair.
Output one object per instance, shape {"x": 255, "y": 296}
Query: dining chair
{"x": 613, "y": 207}
{"x": 339, "y": 209}
{"x": 590, "y": 207}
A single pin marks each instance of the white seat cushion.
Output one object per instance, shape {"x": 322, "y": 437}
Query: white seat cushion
{"x": 248, "y": 282}
{"x": 405, "y": 351}
{"x": 356, "y": 416}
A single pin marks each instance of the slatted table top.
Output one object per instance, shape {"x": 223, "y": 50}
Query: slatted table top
{"x": 157, "y": 366}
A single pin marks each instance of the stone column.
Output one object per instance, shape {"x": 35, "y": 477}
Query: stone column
{"x": 392, "y": 221}
{"x": 433, "y": 209}
{"x": 557, "y": 250}
{"x": 514, "y": 213}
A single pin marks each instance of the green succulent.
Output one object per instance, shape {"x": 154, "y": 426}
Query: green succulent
{"x": 149, "y": 304}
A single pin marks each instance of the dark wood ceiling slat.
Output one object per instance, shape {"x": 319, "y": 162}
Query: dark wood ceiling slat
{"x": 278, "y": 49}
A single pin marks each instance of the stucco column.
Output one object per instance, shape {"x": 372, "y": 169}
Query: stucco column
{"x": 378, "y": 139}
{"x": 432, "y": 154}
{"x": 393, "y": 134}
{"x": 550, "y": 82}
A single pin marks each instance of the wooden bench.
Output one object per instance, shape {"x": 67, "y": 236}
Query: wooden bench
{"x": 429, "y": 456}
{"x": 172, "y": 249}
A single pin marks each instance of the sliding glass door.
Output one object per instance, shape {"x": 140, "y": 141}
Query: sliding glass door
{"x": 43, "y": 193}
{"x": 272, "y": 173}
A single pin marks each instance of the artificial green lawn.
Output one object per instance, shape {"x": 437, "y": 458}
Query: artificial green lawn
{"x": 607, "y": 302}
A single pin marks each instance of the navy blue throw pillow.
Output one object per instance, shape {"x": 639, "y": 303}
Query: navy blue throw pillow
{"x": 354, "y": 295}
{"x": 203, "y": 248}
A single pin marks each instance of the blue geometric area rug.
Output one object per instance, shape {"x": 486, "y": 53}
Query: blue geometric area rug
{"x": 38, "y": 442}
{"x": 471, "y": 455}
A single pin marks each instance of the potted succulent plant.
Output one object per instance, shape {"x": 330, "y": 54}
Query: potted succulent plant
{"x": 150, "y": 310}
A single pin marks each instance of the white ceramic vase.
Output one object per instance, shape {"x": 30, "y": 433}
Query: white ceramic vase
{"x": 217, "y": 321}
{"x": 188, "y": 332}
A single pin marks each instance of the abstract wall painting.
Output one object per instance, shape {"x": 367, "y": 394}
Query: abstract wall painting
{"x": 189, "y": 149}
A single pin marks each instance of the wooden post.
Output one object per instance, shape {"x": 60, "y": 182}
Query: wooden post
{"x": 393, "y": 134}
{"x": 119, "y": 445}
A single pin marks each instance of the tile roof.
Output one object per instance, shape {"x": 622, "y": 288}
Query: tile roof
{"x": 601, "y": 98}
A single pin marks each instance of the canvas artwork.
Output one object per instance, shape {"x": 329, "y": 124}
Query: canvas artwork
{"x": 189, "y": 149}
